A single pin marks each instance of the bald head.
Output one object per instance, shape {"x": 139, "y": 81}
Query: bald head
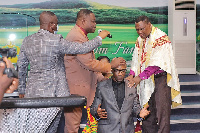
{"x": 48, "y": 21}
{"x": 46, "y": 17}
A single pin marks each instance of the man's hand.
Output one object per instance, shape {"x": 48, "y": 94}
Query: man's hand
{"x": 104, "y": 33}
{"x": 117, "y": 62}
{"x": 101, "y": 112}
{"x": 133, "y": 81}
{"x": 107, "y": 75}
{"x": 5, "y": 82}
{"x": 13, "y": 86}
{"x": 144, "y": 112}
{"x": 21, "y": 95}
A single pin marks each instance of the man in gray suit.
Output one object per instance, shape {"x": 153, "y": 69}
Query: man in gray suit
{"x": 115, "y": 104}
{"x": 45, "y": 51}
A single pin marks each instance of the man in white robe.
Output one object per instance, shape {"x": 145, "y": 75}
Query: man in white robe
{"x": 154, "y": 74}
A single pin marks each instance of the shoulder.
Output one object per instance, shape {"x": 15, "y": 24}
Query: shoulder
{"x": 55, "y": 36}
{"x": 161, "y": 37}
{"x": 44, "y": 34}
{"x": 76, "y": 35}
{"x": 30, "y": 36}
{"x": 158, "y": 33}
{"x": 29, "y": 39}
{"x": 74, "y": 31}
{"x": 126, "y": 83}
{"x": 104, "y": 82}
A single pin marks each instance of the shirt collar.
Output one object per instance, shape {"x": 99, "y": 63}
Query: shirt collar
{"x": 83, "y": 30}
{"x": 117, "y": 83}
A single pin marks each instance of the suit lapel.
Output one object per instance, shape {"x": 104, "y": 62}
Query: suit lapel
{"x": 128, "y": 91}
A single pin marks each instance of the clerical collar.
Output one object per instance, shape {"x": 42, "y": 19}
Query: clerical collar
{"x": 83, "y": 30}
{"x": 115, "y": 82}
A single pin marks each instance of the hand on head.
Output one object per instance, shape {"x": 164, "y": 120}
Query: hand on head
{"x": 117, "y": 62}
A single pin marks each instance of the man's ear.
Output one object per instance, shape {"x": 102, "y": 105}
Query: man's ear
{"x": 112, "y": 70}
{"x": 149, "y": 24}
{"x": 83, "y": 21}
{"x": 50, "y": 27}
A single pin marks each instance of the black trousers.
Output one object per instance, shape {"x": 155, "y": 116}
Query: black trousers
{"x": 160, "y": 108}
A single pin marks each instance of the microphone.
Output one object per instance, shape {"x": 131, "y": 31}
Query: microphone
{"x": 109, "y": 35}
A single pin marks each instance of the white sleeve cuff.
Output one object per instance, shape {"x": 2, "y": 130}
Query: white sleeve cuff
{"x": 99, "y": 37}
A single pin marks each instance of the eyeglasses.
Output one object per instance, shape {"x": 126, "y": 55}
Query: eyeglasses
{"x": 118, "y": 70}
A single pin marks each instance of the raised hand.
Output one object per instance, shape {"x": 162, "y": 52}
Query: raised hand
{"x": 104, "y": 33}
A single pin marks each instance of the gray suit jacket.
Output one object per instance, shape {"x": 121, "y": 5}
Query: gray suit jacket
{"x": 118, "y": 121}
{"x": 45, "y": 52}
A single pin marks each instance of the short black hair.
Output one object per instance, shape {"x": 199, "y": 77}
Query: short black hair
{"x": 102, "y": 57}
{"x": 83, "y": 12}
{"x": 142, "y": 18}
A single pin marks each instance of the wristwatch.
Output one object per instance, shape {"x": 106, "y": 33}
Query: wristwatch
{"x": 139, "y": 118}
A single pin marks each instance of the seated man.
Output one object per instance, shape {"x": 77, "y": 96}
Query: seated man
{"x": 115, "y": 104}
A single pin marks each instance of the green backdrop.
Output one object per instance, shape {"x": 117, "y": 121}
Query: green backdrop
{"x": 22, "y": 20}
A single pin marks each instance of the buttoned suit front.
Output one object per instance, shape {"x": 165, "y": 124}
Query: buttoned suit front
{"x": 81, "y": 76}
{"x": 118, "y": 120}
